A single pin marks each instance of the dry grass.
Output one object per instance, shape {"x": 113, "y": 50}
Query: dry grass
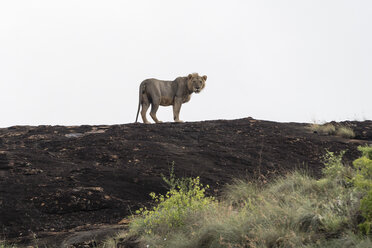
{"x": 293, "y": 211}
{"x": 325, "y": 129}
{"x": 345, "y": 132}
{"x": 330, "y": 129}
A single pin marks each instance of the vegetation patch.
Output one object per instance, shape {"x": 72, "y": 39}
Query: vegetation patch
{"x": 292, "y": 211}
{"x": 330, "y": 129}
{"x": 345, "y": 132}
{"x": 325, "y": 129}
{"x": 4, "y": 244}
{"x": 172, "y": 210}
{"x": 363, "y": 183}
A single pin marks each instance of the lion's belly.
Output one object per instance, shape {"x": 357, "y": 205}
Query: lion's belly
{"x": 166, "y": 101}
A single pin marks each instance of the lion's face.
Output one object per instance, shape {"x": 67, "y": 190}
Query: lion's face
{"x": 196, "y": 83}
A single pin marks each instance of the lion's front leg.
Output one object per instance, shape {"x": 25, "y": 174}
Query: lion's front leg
{"x": 176, "y": 109}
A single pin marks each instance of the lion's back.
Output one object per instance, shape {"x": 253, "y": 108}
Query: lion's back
{"x": 165, "y": 87}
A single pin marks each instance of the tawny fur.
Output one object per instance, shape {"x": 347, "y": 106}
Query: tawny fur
{"x": 157, "y": 93}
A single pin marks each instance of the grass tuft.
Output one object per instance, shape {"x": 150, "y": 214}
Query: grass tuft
{"x": 330, "y": 129}
{"x": 345, "y": 132}
{"x": 325, "y": 129}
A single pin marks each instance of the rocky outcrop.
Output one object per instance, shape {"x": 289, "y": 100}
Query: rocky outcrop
{"x": 56, "y": 178}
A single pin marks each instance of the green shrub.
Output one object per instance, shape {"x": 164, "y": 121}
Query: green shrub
{"x": 363, "y": 166}
{"x": 366, "y": 208}
{"x": 363, "y": 182}
{"x": 335, "y": 169}
{"x": 171, "y": 210}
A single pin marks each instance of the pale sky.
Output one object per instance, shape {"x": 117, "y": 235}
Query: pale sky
{"x": 76, "y": 62}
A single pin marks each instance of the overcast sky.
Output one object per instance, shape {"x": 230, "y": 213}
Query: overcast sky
{"x": 81, "y": 62}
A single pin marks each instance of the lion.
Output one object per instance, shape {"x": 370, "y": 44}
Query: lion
{"x": 165, "y": 93}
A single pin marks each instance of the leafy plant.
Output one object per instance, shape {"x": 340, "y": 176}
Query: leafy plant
{"x": 185, "y": 196}
{"x": 366, "y": 208}
{"x": 334, "y": 168}
{"x": 363, "y": 182}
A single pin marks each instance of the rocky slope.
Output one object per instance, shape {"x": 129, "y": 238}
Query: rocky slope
{"x": 59, "y": 180}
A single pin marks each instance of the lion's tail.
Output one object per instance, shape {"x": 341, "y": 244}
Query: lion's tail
{"x": 139, "y": 101}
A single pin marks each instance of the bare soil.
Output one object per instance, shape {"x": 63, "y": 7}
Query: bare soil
{"x": 61, "y": 181}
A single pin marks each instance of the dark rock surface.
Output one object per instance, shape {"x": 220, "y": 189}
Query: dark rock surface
{"x": 56, "y": 178}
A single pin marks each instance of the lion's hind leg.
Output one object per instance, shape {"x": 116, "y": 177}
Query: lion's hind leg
{"x": 145, "y": 106}
{"x": 154, "y": 109}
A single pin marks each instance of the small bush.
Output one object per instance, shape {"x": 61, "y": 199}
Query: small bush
{"x": 366, "y": 208}
{"x": 335, "y": 169}
{"x": 185, "y": 197}
{"x": 363, "y": 182}
{"x": 345, "y": 132}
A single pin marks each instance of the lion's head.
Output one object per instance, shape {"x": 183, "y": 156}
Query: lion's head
{"x": 196, "y": 83}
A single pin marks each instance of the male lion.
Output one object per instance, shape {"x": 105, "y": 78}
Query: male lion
{"x": 166, "y": 93}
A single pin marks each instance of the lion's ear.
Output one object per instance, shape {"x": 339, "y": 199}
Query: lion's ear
{"x": 205, "y": 78}
{"x": 189, "y": 76}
